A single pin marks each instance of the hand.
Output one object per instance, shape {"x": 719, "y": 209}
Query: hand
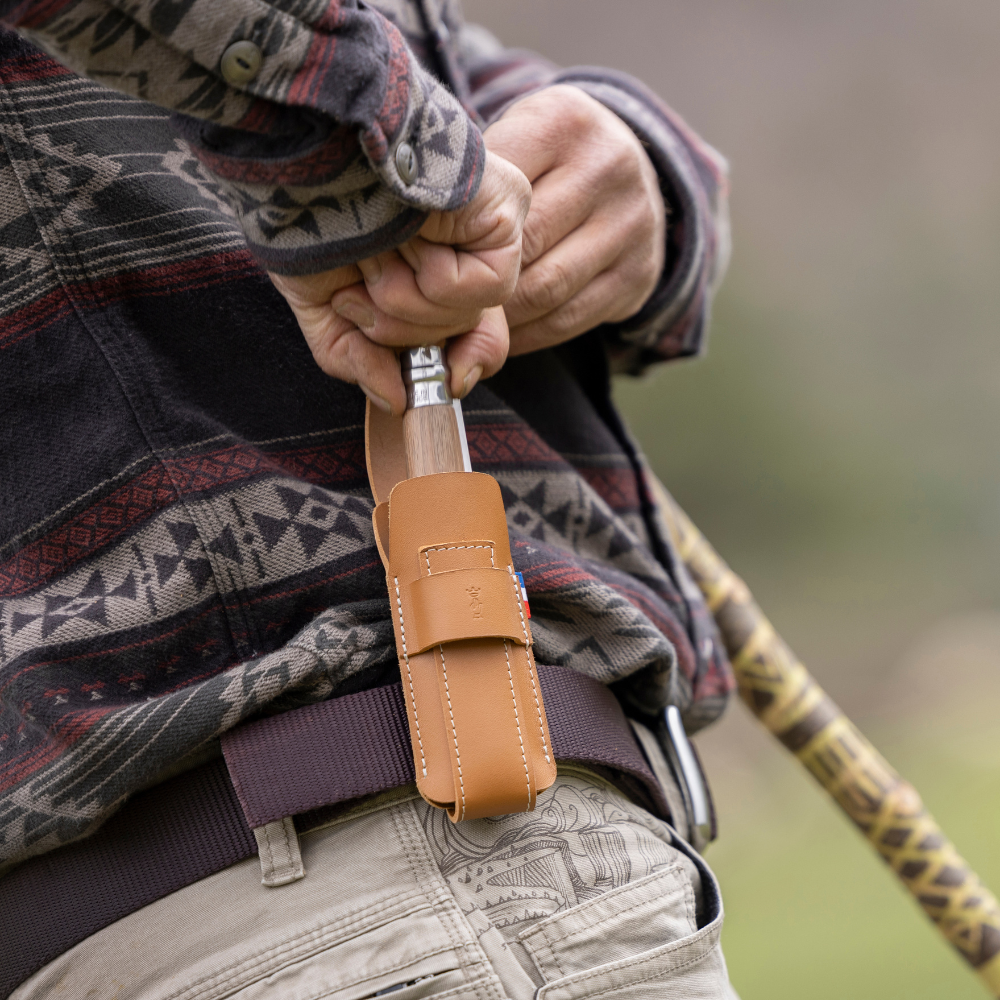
{"x": 448, "y": 282}
{"x": 594, "y": 239}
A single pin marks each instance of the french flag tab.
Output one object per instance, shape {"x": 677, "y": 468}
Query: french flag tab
{"x": 524, "y": 595}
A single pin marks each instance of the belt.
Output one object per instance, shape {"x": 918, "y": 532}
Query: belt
{"x": 302, "y": 764}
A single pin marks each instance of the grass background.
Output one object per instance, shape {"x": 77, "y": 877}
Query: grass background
{"x": 838, "y": 444}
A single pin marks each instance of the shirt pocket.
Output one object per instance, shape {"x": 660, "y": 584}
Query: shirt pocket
{"x": 645, "y": 933}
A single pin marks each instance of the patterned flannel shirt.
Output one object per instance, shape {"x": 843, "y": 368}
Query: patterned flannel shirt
{"x": 304, "y": 152}
{"x": 185, "y": 535}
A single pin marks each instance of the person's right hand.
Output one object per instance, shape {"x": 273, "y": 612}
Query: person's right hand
{"x": 447, "y": 283}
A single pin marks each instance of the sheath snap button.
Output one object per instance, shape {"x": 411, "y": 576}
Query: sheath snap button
{"x": 406, "y": 162}
{"x": 241, "y": 63}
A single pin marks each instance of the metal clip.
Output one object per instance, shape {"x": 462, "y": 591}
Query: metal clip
{"x": 687, "y": 771}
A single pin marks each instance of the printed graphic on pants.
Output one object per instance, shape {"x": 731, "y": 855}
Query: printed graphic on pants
{"x": 580, "y": 842}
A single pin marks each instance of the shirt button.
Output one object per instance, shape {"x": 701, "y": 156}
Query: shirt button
{"x": 406, "y": 162}
{"x": 241, "y": 63}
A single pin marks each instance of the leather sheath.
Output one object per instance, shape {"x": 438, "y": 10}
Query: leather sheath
{"x": 477, "y": 722}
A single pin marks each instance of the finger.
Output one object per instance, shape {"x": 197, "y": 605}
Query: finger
{"x": 343, "y": 351}
{"x": 393, "y": 284}
{"x": 524, "y": 137}
{"x": 457, "y": 280}
{"x": 557, "y": 276}
{"x": 479, "y": 353}
{"x": 606, "y": 298}
{"x": 493, "y": 218}
{"x": 303, "y": 290}
{"x": 561, "y": 201}
{"x": 471, "y": 258}
{"x": 356, "y": 305}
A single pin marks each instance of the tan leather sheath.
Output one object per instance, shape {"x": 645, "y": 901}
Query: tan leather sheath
{"x": 477, "y": 722}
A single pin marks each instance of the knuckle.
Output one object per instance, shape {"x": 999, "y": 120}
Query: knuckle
{"x": 500, "y": 285}
{"x": 548, "y": 289}
{"x": 511, "y": 216}
{"x": 654, "y": 261}
{"x": 624, "y": 160}
{"x": 388, "y": 298}
{"x": 539, "y": 227}
{"x": 649, "y": 261}
{"x": 538, "y": 298}
{"x": 334, "y": 357}
{"x": 494, "y": 355}
{"x": 647, "y": 285}
{"x": 533, "y": 238}
{"x": 435, "y": 288}
{"x": 384, "y": 332}
{"x": 576, "y": 118}
{"x": 531, "y": 245}
{"x": 570, "y": 319}
{"x": 505, "y": 290}
{"x": 574, "y": 317}
{"x": 643, "y": 233}
{"x": 576, "y": 108}
{"x": 630, "y": 293}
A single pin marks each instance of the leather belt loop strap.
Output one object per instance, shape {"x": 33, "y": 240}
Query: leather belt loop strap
{"x": 478, "y": 730}
{"x": 471, "y": 603}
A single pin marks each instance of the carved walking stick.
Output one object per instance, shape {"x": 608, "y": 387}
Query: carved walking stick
{"x": 781, "y": 693}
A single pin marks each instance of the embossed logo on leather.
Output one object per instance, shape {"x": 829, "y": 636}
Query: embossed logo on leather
{"x": 475, "y": 603}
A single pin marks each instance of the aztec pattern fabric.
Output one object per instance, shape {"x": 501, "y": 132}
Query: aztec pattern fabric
{"x": 302, "y": 153}
{"x": 185, "y": 533}
{"x": 304, "y": 150}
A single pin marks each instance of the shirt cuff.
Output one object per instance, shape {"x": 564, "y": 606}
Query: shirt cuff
{"x": 354, "y": 191}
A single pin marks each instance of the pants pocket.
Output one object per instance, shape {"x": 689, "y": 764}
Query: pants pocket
{"x": 689, "y": 969}
{"x": 423, "y": 986}
{"x": 634, "y": 918}
{"x": 640, "y": 940}
{"x": 409, "y": 958}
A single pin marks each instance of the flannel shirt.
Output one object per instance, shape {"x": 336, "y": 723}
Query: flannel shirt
{"x": 185, "y": 534}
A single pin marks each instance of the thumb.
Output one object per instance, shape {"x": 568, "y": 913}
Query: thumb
{"x": 479, "y": 353}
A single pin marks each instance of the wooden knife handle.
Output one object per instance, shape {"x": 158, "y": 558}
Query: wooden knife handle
{"x": 430, "y": 435}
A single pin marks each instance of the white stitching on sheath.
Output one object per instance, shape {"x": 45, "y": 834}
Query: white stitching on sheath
{"x": 450, "y": 548}
{"x": 517, "y": 722}
{"x": 454, "y": 735}
{"x": 409, "y": 677}
{"x": 531, "y": 672}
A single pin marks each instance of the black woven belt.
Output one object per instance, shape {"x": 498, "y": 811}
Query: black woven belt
{"x": 298, "y": 764}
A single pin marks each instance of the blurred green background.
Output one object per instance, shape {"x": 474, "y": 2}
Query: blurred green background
{"x": 838, "y": 443}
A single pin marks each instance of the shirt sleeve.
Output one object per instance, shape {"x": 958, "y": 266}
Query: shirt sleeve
{"x": 331, "y": 141}
{"x": 693, "y": 179}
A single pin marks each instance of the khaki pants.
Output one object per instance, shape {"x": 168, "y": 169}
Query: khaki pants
{"x": 585, "y": 897}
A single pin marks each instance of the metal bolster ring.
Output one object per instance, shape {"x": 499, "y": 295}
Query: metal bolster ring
{"x": 425, "y": 377}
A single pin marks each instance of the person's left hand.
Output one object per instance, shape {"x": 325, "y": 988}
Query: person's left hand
{"x": 447, "y": 283}
{"x": 594, "y": 239}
